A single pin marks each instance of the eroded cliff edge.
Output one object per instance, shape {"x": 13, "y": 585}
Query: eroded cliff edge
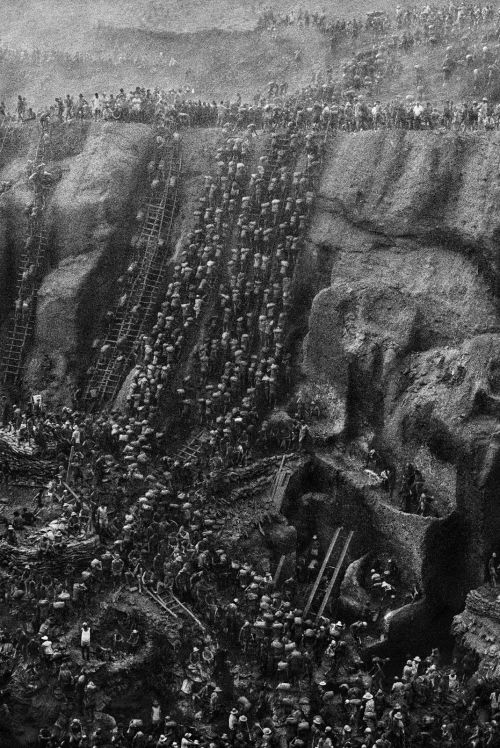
{"x": 404, "y": 332}
{"x": 99, "y": 177}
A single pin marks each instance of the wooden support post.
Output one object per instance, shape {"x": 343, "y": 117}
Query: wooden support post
{"x": 69, "y": 463}
{"x": 70, "y": 490}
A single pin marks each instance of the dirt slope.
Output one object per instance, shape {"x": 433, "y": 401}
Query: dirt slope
{"x": 90, "y": 221}
{"x": 60, "y": 22}
{"x": 404, "y": 336}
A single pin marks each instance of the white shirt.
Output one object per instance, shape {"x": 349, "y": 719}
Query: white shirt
{"x": 233, "y": 720}
{"x": 47, "y": 648}
{"x": 85, "y": 636}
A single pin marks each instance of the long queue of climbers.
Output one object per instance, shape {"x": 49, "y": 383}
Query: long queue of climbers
{"x": 242, "y": 365}
{"x": 348, "y": 107}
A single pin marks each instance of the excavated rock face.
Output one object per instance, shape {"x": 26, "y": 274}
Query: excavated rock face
{"x": 90, "y": 216}
{"x": 421, "y": 185}
{"x": 4, "y": 262}
{"x": 13, "y": 203}
{"x": 404, "y": 336}
{"x": 477, "y": 628}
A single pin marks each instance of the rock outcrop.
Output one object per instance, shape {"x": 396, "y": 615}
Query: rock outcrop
{"x": 13, "y": 203}
{"x": 404, "y": 330}
{"x": 477, "y": 629}
{"x": 90, "y": 216}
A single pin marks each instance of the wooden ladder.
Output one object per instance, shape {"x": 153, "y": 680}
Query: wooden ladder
{"x": 335, "y": 575}
{"x": 321, "y": 572}
{"x": 108, "y": 373}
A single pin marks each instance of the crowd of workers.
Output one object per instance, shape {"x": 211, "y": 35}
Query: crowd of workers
{"x": 241, "y": 364}
{"x": 309, "y": 683}
{"x": 350, "y": 107}
{"x": 420, "y": 24}
{"x": 351, "y": 102}
{"x": 311, "y": 686}
{"x": 471, "y": 32}
{"x": 249, "y": 227}
{"x": 118, "y": 512}
{"x": 440, "y": 20}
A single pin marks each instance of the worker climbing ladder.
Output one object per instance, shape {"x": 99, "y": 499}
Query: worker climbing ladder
{"x": 31, "y": 269}
{"x": 132, "y": 317}
{"x": 327, "y": 567}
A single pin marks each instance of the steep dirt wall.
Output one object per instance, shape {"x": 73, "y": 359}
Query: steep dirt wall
{"x": 478, "y": 629}
{"x": 90, "y": 217}
{"x": 404, "y": 330}
{"x": 423, "y": 185}
{"x": 5, "y": 264}
{"x": 90, "y": 202}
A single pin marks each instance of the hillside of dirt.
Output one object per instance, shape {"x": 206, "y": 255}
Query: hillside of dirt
{"x": 90, "y": 212}
{"x": 214, "y": 50}
{"x": 30, "y": 19}
{"x": 403, "y": 336}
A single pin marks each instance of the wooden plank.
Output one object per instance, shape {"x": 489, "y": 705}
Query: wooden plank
{"x": 189, "y": 612}
{"x": 277, "y": 476}
{"x": 278, "y": 570}
{"x": 69, "y": 462}
{"x": 70, "y": 490}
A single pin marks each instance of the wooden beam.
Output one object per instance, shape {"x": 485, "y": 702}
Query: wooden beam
{"x": 69, "y": 462}
{"x": 70, "y": 490}
{"x": 189, "y": 612}
{"x": 278, "y": 570}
